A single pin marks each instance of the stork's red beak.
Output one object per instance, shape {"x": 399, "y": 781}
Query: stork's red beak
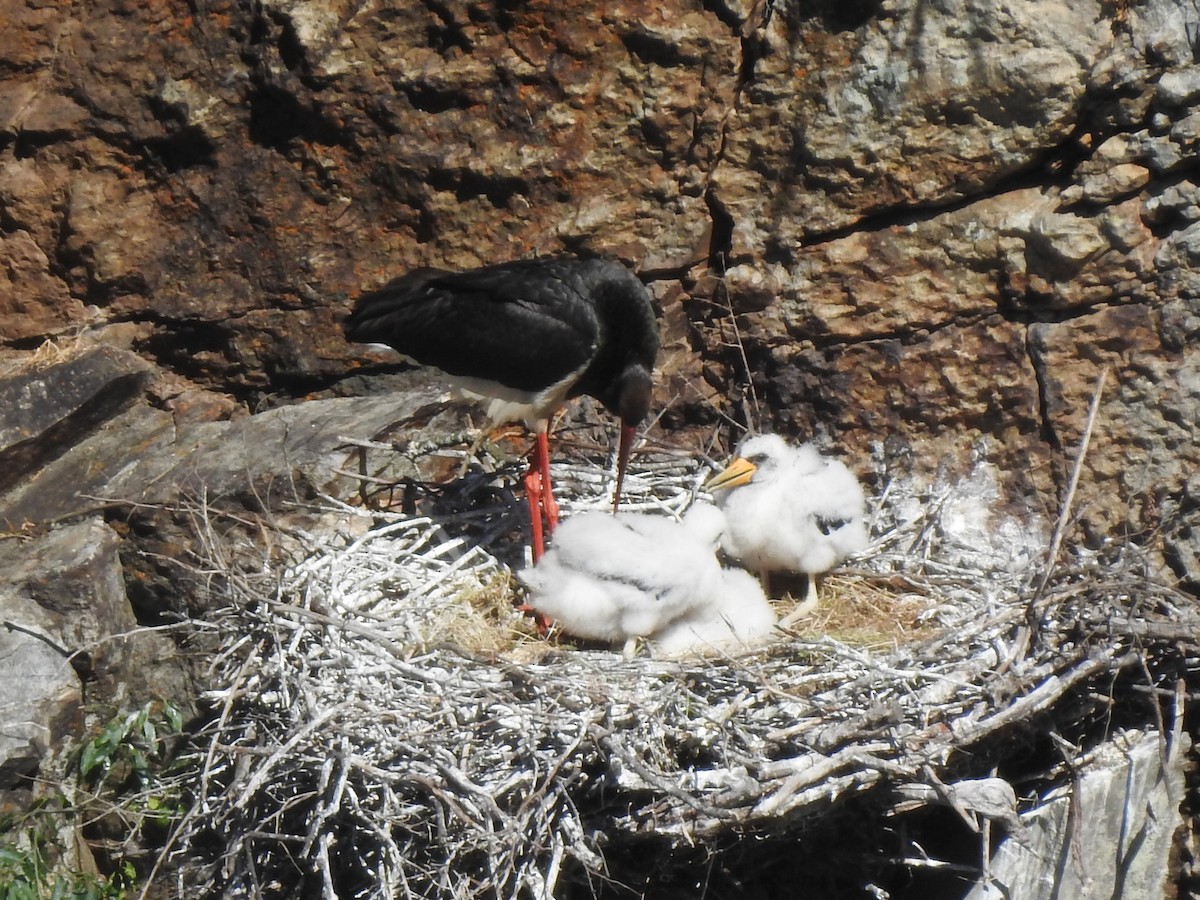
{"x": 627, "y": 432}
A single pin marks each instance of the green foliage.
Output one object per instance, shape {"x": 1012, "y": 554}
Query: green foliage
{"x": 127, "y": 767}
{"x": 130, "y": 744}
{"x": 131, "y": 756}
{"x": 31, "y": 848}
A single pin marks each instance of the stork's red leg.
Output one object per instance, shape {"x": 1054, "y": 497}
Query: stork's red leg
{"x": 549, "y": 504}
{"x": 533, "y": 493}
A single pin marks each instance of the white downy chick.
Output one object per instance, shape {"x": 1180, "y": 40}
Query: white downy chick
{"x": 617, "y": 578}
{"x": 789, "y": 509}
{"x": 738, "y": 613}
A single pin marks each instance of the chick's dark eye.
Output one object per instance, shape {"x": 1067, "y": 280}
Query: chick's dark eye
{"x": 758, "y": 458}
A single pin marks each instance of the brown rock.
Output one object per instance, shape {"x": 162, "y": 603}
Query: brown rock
{"x": 114, "y": 231}
{"x": 913, "y": 231}
{"x": 33, "y": 301}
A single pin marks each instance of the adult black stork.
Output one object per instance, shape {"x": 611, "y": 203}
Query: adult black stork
{"x": 531, "y": 335}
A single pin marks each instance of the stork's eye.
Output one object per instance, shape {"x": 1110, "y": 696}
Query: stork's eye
{"x": 758, "y": 458}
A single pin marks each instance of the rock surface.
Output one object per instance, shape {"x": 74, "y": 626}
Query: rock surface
{"x": 41, "y": 699}
{"x": 1111, "y": 834}
{"x": 931, "y": 227}
{"x": 68, "y": 586}
{"x": 70, "y": 642}
{"x": 46, "y": 414}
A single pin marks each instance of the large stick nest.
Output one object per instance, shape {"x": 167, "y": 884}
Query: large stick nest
{"x": 384, "y": 724}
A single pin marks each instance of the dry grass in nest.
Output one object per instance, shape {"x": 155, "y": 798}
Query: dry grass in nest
{"x": 866, "y": 611}
{"x": 483, "y": 616}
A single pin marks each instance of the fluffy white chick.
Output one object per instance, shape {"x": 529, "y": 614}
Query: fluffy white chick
{"x": 789, "y": 509}
{"x": 737, "y": 613}
{"x": 616, "y": 578}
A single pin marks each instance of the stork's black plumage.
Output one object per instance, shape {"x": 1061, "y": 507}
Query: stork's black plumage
{"x": 531, "y": 334}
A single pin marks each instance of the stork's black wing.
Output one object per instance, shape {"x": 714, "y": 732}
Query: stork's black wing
{"x": 526, "y": 325}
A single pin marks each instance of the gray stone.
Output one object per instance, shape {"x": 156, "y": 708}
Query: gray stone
{"x": 140, "y": 457}
{"x": 1109, "y": 836}
{"x": 68, "y": 586}
{"x": 1182, "y": 200}
{"x": 75, "y": 483}
{"x": 1162, "y": 154}
{"x": 280, "y": 455}
{"x": 1186, "y": 132}
{"x": 46, "y": 412}
{"x": 1181, "y": 250}
{"x": 1179, "y": 324}
{"x": 1179, "y": 87}
{"x": 1181, "y": 537}
{"x": 40, "y": 700}
{"x": 1164, "y": 31}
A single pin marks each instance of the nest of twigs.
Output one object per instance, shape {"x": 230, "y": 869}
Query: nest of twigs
{"x": 385, "y": 725}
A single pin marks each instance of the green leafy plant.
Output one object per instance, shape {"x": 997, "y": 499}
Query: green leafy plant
{"x": 31, "y": 854}
{"x": 131, "y": 745}
{"x": 130, "y": 758}
{"x": 128, "y": 773}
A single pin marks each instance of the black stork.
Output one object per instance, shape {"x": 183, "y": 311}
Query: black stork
{"x": 531, "y": 335}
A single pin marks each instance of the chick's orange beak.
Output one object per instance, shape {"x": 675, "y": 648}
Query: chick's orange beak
{"x": 737, "y": 473}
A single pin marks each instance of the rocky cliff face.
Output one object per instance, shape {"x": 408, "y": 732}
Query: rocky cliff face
{"x": 929, "y": 225}
{"x": 917, "y": 231}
